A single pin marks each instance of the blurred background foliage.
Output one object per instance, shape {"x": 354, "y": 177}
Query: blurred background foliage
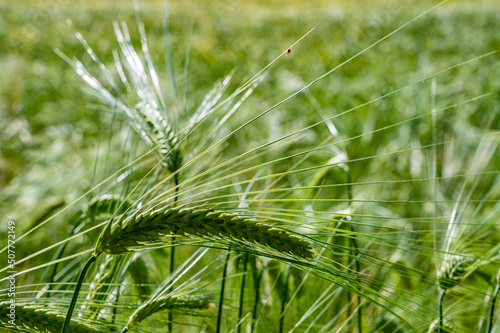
{"x": 51, "y": 130}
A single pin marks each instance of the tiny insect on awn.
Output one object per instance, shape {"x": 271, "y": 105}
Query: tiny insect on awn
{"x": 288, "y": 51}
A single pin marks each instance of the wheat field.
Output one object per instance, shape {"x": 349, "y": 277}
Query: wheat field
{"x": 195, "y": 166}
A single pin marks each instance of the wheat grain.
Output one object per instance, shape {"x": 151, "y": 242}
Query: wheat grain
{"x": 145, "y": 226}
{"x": 39, "y": 319}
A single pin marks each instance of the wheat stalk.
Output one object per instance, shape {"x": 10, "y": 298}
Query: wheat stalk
{"x": 166, "y": 303}
{"x": 145, "y": 226}
{"x": 39, "y": 319}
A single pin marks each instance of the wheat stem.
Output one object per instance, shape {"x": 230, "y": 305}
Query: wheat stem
{"x": 440, "y": 310}
{"x": 221, "y": 297}
{"x": 242, "y": 289}
{"x": 76, "y": 292}
{"x": 172, "y": 250}
{"x": 492, "y": 310}
{"x": 285, "y": 296}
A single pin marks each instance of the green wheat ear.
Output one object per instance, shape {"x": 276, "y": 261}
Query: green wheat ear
{"x": 40, "y": 319}
{"x": 453, "y": 271}
{"x": 126, "y": 232}
{"x": 166, "y": 303}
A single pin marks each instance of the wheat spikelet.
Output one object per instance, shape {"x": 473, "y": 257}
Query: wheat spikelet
{"x": 145, "y": 226}
{"x": 167, "y": 303}
{"x": 452, "y": 271}
{"x": 29, "y": 317}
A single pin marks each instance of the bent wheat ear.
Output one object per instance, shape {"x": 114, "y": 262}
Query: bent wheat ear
{"x": 146, "y": 226}
{"x": 167, "y": 303}
{"x": 40, "y": 320}
{"x": 453, "y": 271}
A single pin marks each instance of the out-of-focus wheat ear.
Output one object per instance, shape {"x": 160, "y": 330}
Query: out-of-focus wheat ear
{"x": 453, "y": 270}
{"x": 39, "y": 319}
{"x": 107, "y": 204}
{"x": 181, "y": 304}
{"x": 444, "y": 327}
{"x": 284, "y": 298}
{"x": 140, "y": 275}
